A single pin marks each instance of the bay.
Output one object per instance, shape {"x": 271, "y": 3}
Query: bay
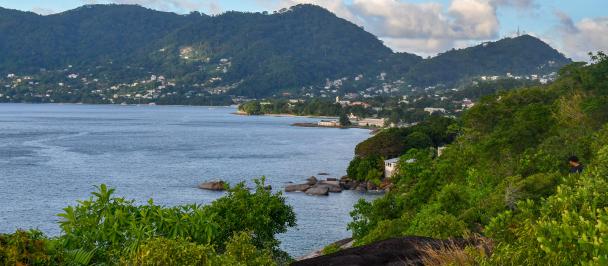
{"x": 52, "y": 155}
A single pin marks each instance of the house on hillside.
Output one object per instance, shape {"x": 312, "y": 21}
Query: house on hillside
{"x": 432, "y": 110}
{"x": 390, "y": 167}
{"x": 371, "y": 122}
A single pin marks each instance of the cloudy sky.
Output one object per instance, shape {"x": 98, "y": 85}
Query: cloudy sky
{"x": 424, "y": 27}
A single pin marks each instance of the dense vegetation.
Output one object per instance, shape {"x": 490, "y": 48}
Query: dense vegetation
{"x": 518, "y": 56}
{"x": 506, "y": 177}
{"x": 315, "y": 107}
{"x": 393, "y": 142}
{"x": 268, "y": 53}
{"x": 368, "y": 164}
{"x": 237, "y": 229}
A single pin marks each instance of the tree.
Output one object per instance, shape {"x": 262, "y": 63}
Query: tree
{"x": 344, "y": 120}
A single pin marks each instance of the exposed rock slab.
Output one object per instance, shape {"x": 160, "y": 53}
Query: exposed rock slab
{"x": 395, "y": 251}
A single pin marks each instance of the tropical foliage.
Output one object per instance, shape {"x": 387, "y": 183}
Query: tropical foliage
{"x": 237, "y": 229}
{"x": 506, "y": 177}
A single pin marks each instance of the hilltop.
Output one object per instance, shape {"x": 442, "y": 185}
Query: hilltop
{"x": 295, "y": 51}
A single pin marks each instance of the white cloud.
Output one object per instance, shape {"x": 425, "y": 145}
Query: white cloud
{"x": 581, "y": 37}
{"x": 423, "y": 28}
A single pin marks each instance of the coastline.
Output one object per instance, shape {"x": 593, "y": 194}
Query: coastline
{"x": 288, "y": 115}
{"x": 118, "y": 104}
{"x": 372, "y": 130}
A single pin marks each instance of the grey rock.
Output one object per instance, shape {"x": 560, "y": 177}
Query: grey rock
{"x": 297, "y": 187}
{"x": 311, "y": 180}
{"x": 318, "y": 191}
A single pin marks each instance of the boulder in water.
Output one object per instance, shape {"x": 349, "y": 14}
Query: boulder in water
{"x": 318, "y": 191}
{"x": 213, "y": 185}
{"x": 311, "y": 180}
{"x": 297, "y": 187}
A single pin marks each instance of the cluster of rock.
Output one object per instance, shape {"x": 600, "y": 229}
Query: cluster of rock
{"x": 316, "y": 187}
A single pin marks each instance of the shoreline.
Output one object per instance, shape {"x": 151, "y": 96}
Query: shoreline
{"x": 372, "y": 130}
{"x": 130, "y": 104}
{"x": 287, "y": 115}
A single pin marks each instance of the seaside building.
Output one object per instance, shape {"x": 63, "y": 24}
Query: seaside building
{"x": 390, "y": 167}
{"x": 371, "y": 122}
{"x": 329, "y": 123}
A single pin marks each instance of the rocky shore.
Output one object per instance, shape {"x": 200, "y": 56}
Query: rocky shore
{"x": 316, "y": 187}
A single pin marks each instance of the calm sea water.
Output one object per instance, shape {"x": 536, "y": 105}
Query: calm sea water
{"x": 52, "y": 155}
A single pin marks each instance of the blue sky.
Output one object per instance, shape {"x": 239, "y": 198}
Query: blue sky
{"x": 425, "y": 27}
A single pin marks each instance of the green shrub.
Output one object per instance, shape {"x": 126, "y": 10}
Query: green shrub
{"x": 27, "y": 248}
{"x": 162, "y": 251}
{"x": 433, "y": 223}
{"x": 369, "y": 168}
{"x": 241, "y": 251}
{"x": 113, "y": 227}
{"x": 263, "y": 213}
{"x": 567, "y": 228}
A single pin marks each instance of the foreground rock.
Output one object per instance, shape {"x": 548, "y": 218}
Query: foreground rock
{"x": 343, "y": 244}
{"x": 395, "y": 251}
{"x": 213, "y": 185}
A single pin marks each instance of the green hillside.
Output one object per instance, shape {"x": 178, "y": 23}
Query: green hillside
{"x": 506, "y": 177}
{"x": 235, "y": 53}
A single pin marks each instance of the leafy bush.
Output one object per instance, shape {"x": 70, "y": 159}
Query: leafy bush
{"x": 241, "y": 251}
{"x": 115, "y": 228}
{"x": 162, "y": 251}
{"x": 27, "y": 248}
{"x": 369, "y": 168}
{"x": 263, "y": 213}
{"x": 567, "y": 228}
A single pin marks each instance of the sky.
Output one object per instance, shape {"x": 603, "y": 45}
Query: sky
{"x": 423, "y": 27}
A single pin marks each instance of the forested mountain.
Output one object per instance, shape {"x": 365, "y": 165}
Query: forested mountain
{"x": 519, "y": 56}
{"x": 250, "y": 54}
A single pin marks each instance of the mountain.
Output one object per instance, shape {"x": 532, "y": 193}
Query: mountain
{"x": 250, "y": 54}
{"x": 519, "y": 56}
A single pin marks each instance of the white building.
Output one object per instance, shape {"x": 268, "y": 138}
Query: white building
{"x": 432, "y": 110}
{"x": 440, "y": 150}
{"x": 329, "y": 123}
{"x": 371, "y": 122}
{"x": 390, "y": 167}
